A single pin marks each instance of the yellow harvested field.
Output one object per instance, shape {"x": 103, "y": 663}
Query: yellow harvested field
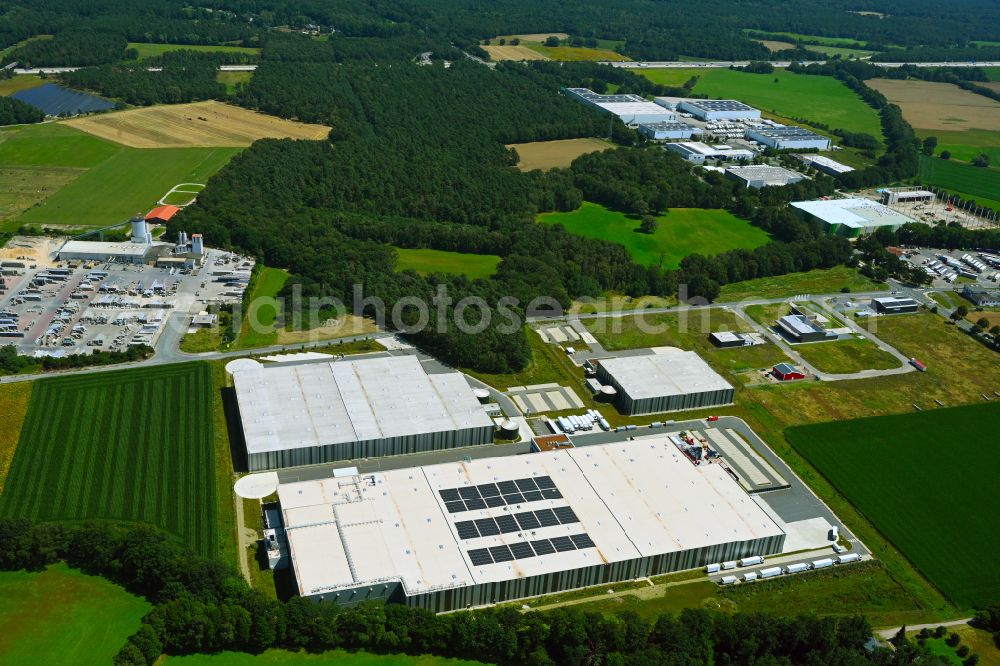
{"x": 992, "y": 85}
{"x": 513, "y": 53}
{"x": 534, "y": 36}
{"x": 551, "y": 154}
{"x": 201, "y": 124}
{"x": 333, "y": 329}
{"x": 14, "y": 400}
{"x": 773, "y": 45}
{"x": 940, "y": 106}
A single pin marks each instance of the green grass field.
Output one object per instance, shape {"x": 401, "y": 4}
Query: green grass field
{"x": 845, "y": 356}
{"x": 151, "y": 50}
{"x": 63, "y": 616}
{"x": 115, "y": 183}
{"x": 912, "y": 477}
{"x": 965, "y": 145}
{"x": 132, "y": 445}
{"x": 979, "y": 183}
{"x": 426, "y": 262}
{"x": 682, "y": 231}
{"x": 258, "y": 329}
{"x": 19, "y": 82}
{"x": 278, "y": 657}
{"x": 819, "y": 98}
{"x": 813, "y": 39}
{"x": 232, "y": 79}
{"x": 574, "y": 53}
{"x": 818, "y": 281}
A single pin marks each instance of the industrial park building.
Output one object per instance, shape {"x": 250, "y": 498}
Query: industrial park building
{"x": 668, "y": 130}
{"x": 801, "y": 328}
{"x": 824, "y": 164}
{"x": 454, "y": 535}
{"x": 695, "y": 151}
{"x": 718, "y": 109}
{"x": 664, "y": 382}
{"x": 632, "y": 109}
{"x": 852, "y": 217}
{"x": 762, "y": 175}
{"x": 893, "y": 305}
{"x": 315, "y": 413}
{"x": 788, "y": 138}
{"x": 125, "y": 253}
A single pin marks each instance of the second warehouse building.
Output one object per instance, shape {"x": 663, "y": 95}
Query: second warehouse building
{"x": 664, "y": 382}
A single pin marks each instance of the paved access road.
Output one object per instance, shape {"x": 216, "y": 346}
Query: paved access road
{"x": 889, "y": 633}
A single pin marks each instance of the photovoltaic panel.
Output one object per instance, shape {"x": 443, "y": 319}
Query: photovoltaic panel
{"x": 526, "y": 484}
{"x": 469, "y": 492}
{"x": 514, "y": 498}
{"x": 487, "y": 527}
{"x": 507, "y": 524}
{"x": 480, "y": 556}
{"x": 543, "y": 547}
{"x": 521, "y": 550}
{"x": 582, "y": 541}
{"x": 566, "y": 515}
{"x": 551, "y": 493}
{"x": 527, "y": 520}
{"x": 488, "y": 489}
{"x": 563, "y": 544}
{"x": 449, "y": 494}
{"x": 544, "y": 482}
{"x": 494, "y": 501}
{"x": 507, "y": 487}
{"x": 501, "y": 554}
{"x": 472, "y": 504}
{"x": 546, "y": 517}
{"x": 466, "y": 529}
{"x": 532, "y": 496}
{"x": 455, "y": 507}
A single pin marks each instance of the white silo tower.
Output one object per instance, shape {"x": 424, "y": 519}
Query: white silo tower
{"x": 197, "y": 247}
{"x": 140, "y": 231}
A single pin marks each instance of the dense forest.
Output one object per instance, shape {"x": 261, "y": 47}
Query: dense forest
{"x": 15, "y": 112}
{"x": 201, "y": 605}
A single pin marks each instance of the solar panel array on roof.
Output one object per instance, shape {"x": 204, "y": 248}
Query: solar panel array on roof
{"x": 507, "y": 524}
{"x": 523, "y": 550}
{"x": 501, "y": 493}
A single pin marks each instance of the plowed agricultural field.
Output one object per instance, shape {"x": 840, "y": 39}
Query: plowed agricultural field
{"x": 131, "y": 445}
{"x": 927, "y": 481}
{"x": 201, "y": 124}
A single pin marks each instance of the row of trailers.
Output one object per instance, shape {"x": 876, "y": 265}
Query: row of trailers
{"x": 773, "y": 572}
{"x": 573, "y": 423}
{"x": 949, "y": 268}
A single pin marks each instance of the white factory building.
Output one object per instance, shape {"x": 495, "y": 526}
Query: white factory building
{"x": 852, "y": 217}
{"x": 762, "y": 175}
{"x": 662, "y": 131}
{"x": 313, "y": 413}
{"x": 717, "y": 109}
{"x": 697, "y": 152}
{"x": 484, "y": 531}
{"x": 788, "y": 138}
{"x": 632, "y": 109}
{"x": 667, "y": 381}
{"x": 139, "y": 249}
{"x": 824, "y": 164}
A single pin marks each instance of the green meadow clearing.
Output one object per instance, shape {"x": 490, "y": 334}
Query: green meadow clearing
{"x": 817, "y": 281}
{"x": 425, "y": 262}
{"x": 131, "y": 445}
{"x": 821, "y": 99}
{"x": 925, "y": 481}
{"x": 258, "y": 328}
{"x": 111, "y": 184}
{"x": 979, "y": 183}
{"x": 151, "y": 50}
{"x": 63, "y": 616}
{"x": 682, "y": 231}
{"x": 964, "y": 145}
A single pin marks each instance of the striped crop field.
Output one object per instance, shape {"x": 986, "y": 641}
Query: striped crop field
{"x": 130, "y": 445}
{"x": 927, "y": 481}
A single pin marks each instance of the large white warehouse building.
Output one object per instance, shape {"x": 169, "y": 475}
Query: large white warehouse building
{"x": 462, "y": 534}
{"x": 697, "y": 152}
{"x": 668, "y": 381}
{"x": 660, "y": 131}
{"x": 632, "y": 109}
{"x": 718, "y": 109}
{"x": 789, "y": 138}
{"x": 852, "y": 217}
{"x": 315, "y": 413}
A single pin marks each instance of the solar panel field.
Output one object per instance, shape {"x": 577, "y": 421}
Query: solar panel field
{"x": 927, "y": 481}
{"x": 55, "y": 100}
{"x": 134, "y": 445}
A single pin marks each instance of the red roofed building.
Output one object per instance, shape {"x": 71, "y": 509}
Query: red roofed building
{"x": 161, "y": 214}
{"x": 786, "y": 372}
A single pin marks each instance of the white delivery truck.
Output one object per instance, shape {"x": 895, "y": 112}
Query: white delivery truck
{"x": 712, "y": 568}
{"x": 850, "y": 557}
{"x": 751, "y": 561}
{"x": 796, "y": 568}
{"x": 749, "y": 576}
{"x": 728, "y": 565}
{"x": 728, "y": 580}
{"x": 822, "y": 564}
{"x": 770, "y": 573}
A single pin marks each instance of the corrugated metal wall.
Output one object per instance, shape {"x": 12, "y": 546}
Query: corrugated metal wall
{"x": 671, "y": 403}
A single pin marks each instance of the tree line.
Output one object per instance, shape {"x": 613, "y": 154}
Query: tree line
{"x": 202, "y": 606}
{"x": 11, "y": 363}
{"x": 15, "y": 112}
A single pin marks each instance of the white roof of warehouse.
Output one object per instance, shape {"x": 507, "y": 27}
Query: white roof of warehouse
{"x": 668, "y": 372}
{"x": 855, "y": 213}
{"x": 316, "y": 404}
{"x": 765, "y": 172}
{"x": 633, "y": 499}
{"x": 95, "y": 247}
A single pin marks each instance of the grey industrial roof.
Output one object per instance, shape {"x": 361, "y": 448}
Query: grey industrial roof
{"x": 820, "y": 161}
{"x": 787, "y": 133}
{"x": 893, "y": 301}
{"x": 771, "y": 174}
{"x": 631, "y": 499}
{"x": 726, "y": 336}
{"x": 800, "y": 324}
{"x": 108, "y": 248}
{"x": 719, "y": 104}
{"x": 671, "y": 372}
{"x": 666, "y": 125}
{"x": 316, "y": 404}
{"x": 855, "y": 213}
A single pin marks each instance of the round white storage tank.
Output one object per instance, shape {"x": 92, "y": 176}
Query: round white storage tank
{"x": 509, "y": 429}
{"x": 482, "y": 395}
{"x": 607, "y": 393}
{"x": 139, "y": 230}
